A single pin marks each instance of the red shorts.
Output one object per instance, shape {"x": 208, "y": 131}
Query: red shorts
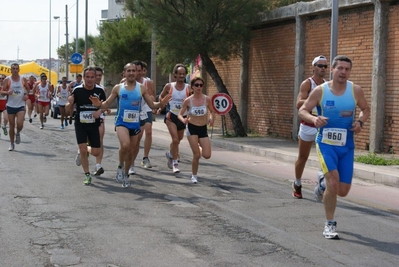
{"x": 3, "y": 105}
{"x": 32, "y": 98}
{"x": 44, "y": 104}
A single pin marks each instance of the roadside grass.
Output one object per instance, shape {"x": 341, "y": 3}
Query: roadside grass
{"x": 374, "y": 159}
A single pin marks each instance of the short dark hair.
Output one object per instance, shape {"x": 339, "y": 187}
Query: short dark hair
{"x": 138, "y": 63}
{"x": 99, "y": 69}
{"x": 86, "y": 70}
{"x": 341, "y": 58}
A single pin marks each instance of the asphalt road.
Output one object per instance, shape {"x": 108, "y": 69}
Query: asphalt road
{"x": 241, "y": 212}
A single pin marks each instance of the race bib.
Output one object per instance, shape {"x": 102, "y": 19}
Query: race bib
{"x": 143, "y": 115}
{"x": 198, "y": 111}
{"x": 334, "y": 136}
{"x": 175, "y": 106}
{"x": 87, "y": 117}
{"x": 131, "y": 116}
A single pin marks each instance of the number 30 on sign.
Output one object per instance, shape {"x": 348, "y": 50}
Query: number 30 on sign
{"x": 222, "y": 103}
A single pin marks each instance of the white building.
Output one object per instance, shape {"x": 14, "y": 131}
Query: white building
{"x": 115, "y": 10}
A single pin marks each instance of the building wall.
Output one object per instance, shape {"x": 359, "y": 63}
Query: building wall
{"x": 272, "y": 65}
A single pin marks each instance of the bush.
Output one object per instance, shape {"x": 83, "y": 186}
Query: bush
{"x": 373, "y": 159}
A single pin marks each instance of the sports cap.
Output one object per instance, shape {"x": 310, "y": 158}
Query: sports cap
{"x": 317, "y": 59}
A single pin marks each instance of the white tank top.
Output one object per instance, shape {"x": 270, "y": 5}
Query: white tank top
{"x": 64, "y": 93}
{"x": 44, "y": 93}
{"x": 144, "y": 106}
{"x": 16, "y": 100}
{"x": 3, "y": 97}
{"x": 177, "y": 98}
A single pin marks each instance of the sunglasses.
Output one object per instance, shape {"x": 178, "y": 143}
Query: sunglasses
{"x": 198, "y": 85}
{"x": 321, "y": 66}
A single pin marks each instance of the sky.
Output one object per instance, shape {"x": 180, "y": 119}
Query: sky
{"x": 25, "y": 26}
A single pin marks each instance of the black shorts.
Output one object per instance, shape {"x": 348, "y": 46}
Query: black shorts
{"x": 201, "y": 131}
{"x": 149, "y": 119}
{"x": 173, "y": 118}
{"x": 132, "y": 132}
{"x": 88, "y": 132}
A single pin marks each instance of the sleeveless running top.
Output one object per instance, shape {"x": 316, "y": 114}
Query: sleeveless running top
{"x": 178, "y": 97}
{"x": 44, "y": 93}
{"x": 197, "y": 111}
{"x": 64, "y": 93}
{"x": 340, "y": 111}
{"x": 129, "y": 107}
{"x": 16, "y": 100}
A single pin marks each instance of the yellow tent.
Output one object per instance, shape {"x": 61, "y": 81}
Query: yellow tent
{"x": 31, "y": 68}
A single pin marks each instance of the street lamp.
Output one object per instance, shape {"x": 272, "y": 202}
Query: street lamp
{"x": 58, "y": 58}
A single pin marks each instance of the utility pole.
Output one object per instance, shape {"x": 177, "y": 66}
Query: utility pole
{"x": 77, "y": 27}
{"x": 49, "y": 47}
{"x": 66, "y": 44}
{"x": 334, "y": 30}
{"x": 86, "y": 27}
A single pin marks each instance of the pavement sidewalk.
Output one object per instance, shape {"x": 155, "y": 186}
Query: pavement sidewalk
{"x": 287, "y": 151}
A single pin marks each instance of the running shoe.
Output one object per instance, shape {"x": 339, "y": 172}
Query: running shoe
{"x": 70, "y": 120}
{"x": 170, "y": 161}
{"x": 66, "y": 123}
{"x": 296, "y": 190}
{"x": 77, "y": 158}
{"x": 5, "y": 130}
{"x": 131, "y": 170}
{"x": 119, "y": 174}
{"x": 319, "y": 189}
{"x": 330, "y": 230}
{"x": 146, "y": 163}
{"x": 176, "y": 168}
{"x": 11, "y": 148}
{"x": 99, "y": 171}
{"x": 45, "y": 119}
{"x": 34, "y": 116}
{"x": 125, "y": 182}
{"x": 194, "y": 179}
{"x": 41, "y": 126}
{"x": 62, "y": 127}
{"x": 30, "y": 120}
{"x": 87, "y": 180}
{"x": 18, "y": 138}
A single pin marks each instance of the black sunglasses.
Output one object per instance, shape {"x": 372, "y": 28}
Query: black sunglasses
{"x": 321, "y": 66}
{"x": 198, "y": 85}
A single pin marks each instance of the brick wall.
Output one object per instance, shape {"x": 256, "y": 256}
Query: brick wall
{"x": 271, "y": 70}
{"x": 391, "y": 126}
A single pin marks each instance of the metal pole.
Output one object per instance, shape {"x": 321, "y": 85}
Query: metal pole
{"x": 153, "y": 61}
{"x": 77, "y": 23}
{"x": 334, "y": 30}
{"x": 58, "y": 58}
{"x": 66, "y": 44}
{"x": 86, "y": 29}
{"x": 49, "y": 47}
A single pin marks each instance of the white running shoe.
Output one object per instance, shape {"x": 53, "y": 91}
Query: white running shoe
{"x": 170, "y": 161}
{"x": 126, "y": 182}
{"x": 319, "y": 189}
{"x": 119, "y": 174}
{"x": 77, "y": 158}
{"x": 176, "y": 168}
{"x": 194, "y": 179}
{"x": 146, "y": 163}
{"x": 330, "y": 230}
{"x": 11, "y": 148}
{"x": 131, "y": 170}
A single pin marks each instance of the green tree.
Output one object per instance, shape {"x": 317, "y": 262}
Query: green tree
{"x": 61, "y": 51}
{"x": 211, "y": 28}
{"x": 121, "y": 42}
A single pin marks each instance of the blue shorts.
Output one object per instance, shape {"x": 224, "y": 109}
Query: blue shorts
{"x": 149, "y": 119}
{"x": 338, "y": 158}
{"x": 11, "y": 110}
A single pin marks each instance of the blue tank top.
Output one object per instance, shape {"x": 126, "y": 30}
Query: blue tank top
{"x": 129, "y": 107}
{"x": 340, "y": 111}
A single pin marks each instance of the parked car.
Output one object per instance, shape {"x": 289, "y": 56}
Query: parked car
{"x": 54, "y": 107}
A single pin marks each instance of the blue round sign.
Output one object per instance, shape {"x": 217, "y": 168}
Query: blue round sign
{"x": 76, "y": 58}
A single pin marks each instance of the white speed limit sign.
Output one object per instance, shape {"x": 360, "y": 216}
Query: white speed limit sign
{"x": 222, "y": 103}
